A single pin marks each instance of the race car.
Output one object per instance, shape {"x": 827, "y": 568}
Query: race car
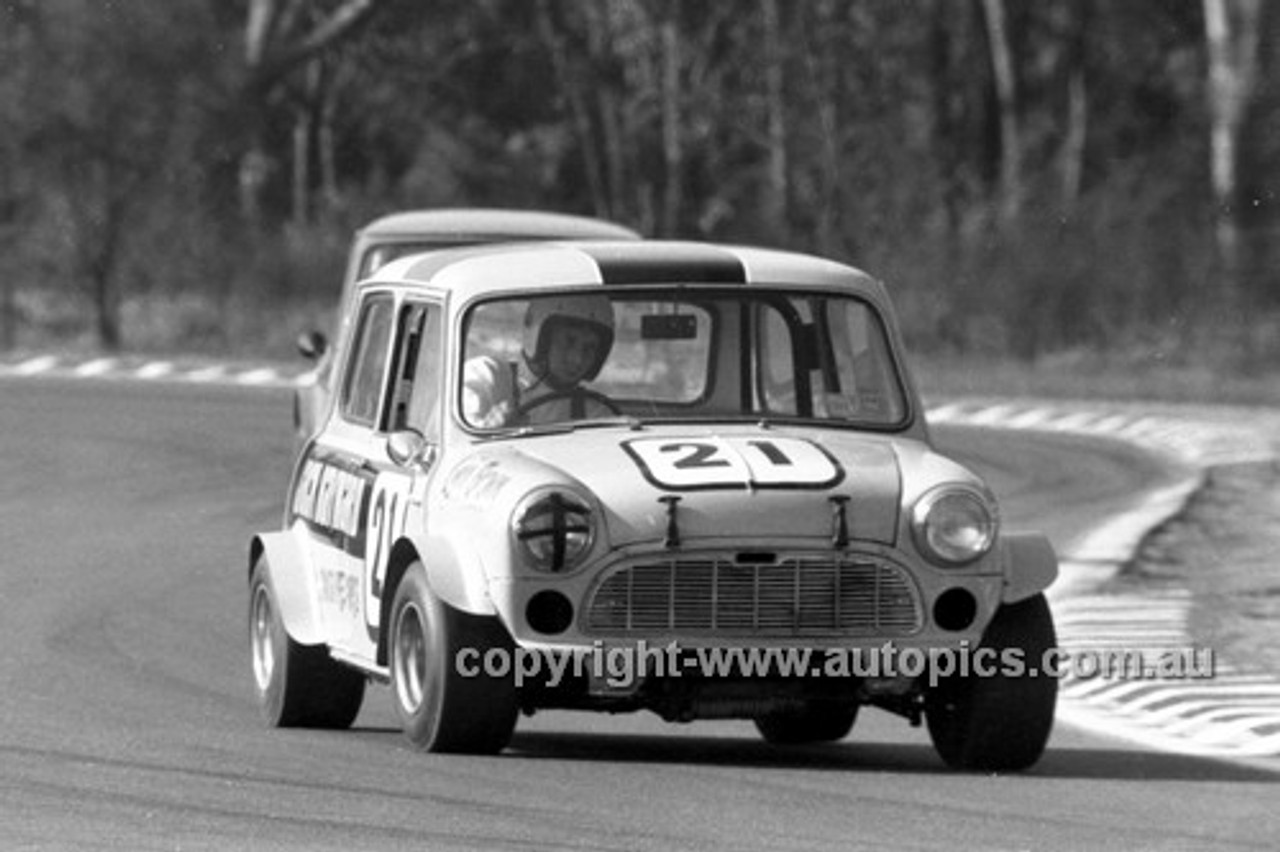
{"x": 686, "y": 478}
{"x": 414, "y": 231}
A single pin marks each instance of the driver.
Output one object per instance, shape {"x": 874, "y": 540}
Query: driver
{"x": 566, "y": 341}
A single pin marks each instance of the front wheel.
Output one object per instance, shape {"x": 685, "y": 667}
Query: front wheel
{"x": 297, "y": 686}
{"x": 442, "y": 706}
{"x": 999, "y": 720}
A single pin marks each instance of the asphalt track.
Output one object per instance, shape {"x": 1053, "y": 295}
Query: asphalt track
{"x": 127, "y": 719}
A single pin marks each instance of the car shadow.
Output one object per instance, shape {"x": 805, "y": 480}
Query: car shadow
{"x": 1067, "y": 763}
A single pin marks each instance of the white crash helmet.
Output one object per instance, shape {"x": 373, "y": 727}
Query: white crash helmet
{"x": 594, "y": 310}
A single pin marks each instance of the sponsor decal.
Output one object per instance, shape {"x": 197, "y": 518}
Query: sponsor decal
{"x": 476, "y": 480}
{"x": 333, "y": 500}
{"x": 358, "y": 515}
{"x": 340, "y": 590}
{"x": 687, "y": 464}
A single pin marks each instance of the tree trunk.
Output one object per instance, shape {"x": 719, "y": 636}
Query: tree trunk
{"x": 613, "y": 140}
{"x": 8, "y": 302}
{"x": 10, "y": 205}
{"x": 310, "y": 123}
{"x": 107, "y": 306}
{"x": 275, "y": 43}
{"x": 776, "y": 190}
{"x": 576, "y": 104}
{"x": 672, "y": 150}
{"x": 325, "y": 145}
{"x": 1005, "y": 81}
{"x": 827, "y": 93}
{"x": 1231, "y": 32}
{"x": 301, "y": 194}
{"x": 615, "y": 155}
{"x": 1076, "y": 139}
{"x": 254, "y": 162}
{"x": 99, "y": 246}
{"x": 945, "y": 128}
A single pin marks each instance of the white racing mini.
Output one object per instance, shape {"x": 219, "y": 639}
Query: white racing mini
{"x": 615, "y": 476}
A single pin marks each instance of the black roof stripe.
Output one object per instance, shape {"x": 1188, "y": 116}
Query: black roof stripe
{"x": 678, "y": 263}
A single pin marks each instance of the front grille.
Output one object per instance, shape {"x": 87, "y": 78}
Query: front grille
{"x": 796, "y": 596}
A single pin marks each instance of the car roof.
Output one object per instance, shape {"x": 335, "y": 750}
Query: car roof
{"x": 480, "y": 224}
{"x": 475, "y": 271}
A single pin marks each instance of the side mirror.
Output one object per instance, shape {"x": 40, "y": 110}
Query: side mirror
{"x": 407, "y": 448}
{"x": 312, "y": 345}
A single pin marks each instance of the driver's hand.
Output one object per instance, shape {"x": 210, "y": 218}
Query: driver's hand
{"x": 498, "y": 415}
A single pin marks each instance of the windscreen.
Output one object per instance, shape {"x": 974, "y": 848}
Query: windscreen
{"x": 678, "y": 354}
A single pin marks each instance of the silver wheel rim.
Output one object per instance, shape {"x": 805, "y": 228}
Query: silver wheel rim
{"x": 261, "y": 634}
{"x": 410, "y": 657}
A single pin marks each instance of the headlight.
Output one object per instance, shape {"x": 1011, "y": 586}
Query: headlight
{"x": 553, "y": 530}
{"x": 954, "y": 526}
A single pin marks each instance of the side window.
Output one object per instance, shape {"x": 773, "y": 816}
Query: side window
{"x": 427, "y": 401}
{"x": 862, "y": 382}
{"x": 367, "y": 369}
{"x": 417, "y": 392}
{"x": 777, "y": 368}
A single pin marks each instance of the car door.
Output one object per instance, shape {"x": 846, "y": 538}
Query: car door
{"x": 412, "y": 416}
{"x": 336, "y": 474}
{"x": 353, "y": 499}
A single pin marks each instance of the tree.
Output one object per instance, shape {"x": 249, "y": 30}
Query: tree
{"x": 672, "y": 126}
{"x": 885, "y": 133}
{"x": 1232, "y": 30}
{"x": 281, "y": 37}
{"x": 105, "y": 128}
{"x": 16, "y": 194}
{"x": 1004, "y": 77}
{"x": 1073, "y": 150}
{"x": 775, "y": 190}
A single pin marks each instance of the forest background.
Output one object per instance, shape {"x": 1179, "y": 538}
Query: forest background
{"x": 1064, "y": 187}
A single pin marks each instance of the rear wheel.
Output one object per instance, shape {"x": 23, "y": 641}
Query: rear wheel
{"x": 811, "y": 722}
{"x": 999, "y": 722}
{"x": 296, "y": 685}
{"x": 441, "y": 708}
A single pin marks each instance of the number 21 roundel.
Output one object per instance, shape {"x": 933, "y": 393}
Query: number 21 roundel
{"x": 737, "y": 462}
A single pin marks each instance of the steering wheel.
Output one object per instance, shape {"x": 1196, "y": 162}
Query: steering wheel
{"x": 583, "y": 394}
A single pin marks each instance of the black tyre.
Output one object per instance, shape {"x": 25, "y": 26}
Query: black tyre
{"x": 442, "y": 709}
{"x": 811, "y": 722}
{"x": 999, "y": 722}
{"x": 297, "y": 686}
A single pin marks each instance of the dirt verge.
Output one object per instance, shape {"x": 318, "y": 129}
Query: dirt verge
{"x": 1224, "y": 547}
